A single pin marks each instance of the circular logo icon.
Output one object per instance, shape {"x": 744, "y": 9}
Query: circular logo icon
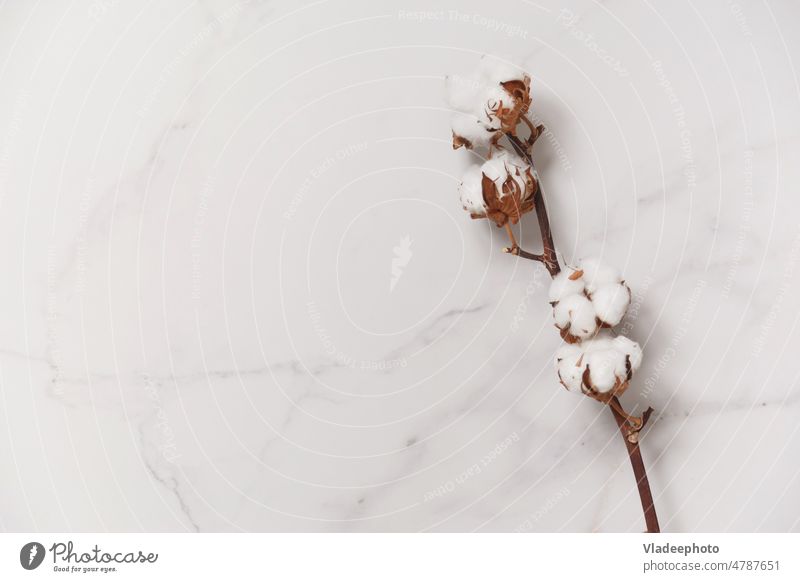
{"x": 31, "y": 555}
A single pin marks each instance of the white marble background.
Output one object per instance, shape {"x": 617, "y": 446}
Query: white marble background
{"x": 199, "y": 204}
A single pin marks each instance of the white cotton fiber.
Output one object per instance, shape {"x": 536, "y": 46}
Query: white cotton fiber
{"x": 480, "y": 97}
{"x": 564, "y": 284}
{"x": 605, "y": 357}
{"x": 495, "y": 169}
{"x": 470, "y": 191}
{"x": 596, "y": 273}
{"x": 611, "y": 302}
{"x": 600, "y": 284}
{"x": 494, "y": 98}
{"x": 575, "y": 315}
{"x": 631, "y": 349}
{"x": 470, "y": 128}
{"x": 568, "y": 366}
{"x": 603, "y": 366}
{"x": 505, "y": 165}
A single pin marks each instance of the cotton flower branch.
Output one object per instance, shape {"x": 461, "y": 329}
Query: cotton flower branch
{"x": 588, "y": 300}
{"x": 548, "y": 255}
{"x": 639, "y": 471}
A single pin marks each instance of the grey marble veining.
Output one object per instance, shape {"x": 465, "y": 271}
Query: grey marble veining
{"x": 240, "y": 293}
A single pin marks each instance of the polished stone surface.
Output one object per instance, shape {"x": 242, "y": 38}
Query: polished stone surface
{"x": 240, "y": 293}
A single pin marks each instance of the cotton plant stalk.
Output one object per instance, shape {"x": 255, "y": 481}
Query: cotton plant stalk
{"x": 589, "y": 299}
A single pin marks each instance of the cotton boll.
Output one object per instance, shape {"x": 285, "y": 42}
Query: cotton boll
{"x": 508, "y": 186}
{"x": 575, "y": 314}
{"x": 569, "y": 367}
{"x": 631, "y": 349}
{"x": 606, "y": 368}
{"x": 522, "y": 177}
{"x": 562, "y": 311}
{"x": 471, "y": 131}
{"x": 564, "y": 284}
{"x": 599, "y": 367}
{"x": 495, "y": 169}
{"x": 584, "y": 321}
{"x": 493, "y": 100}
{"x": 505, "y": 165}
{"x": 497, "y": 95}
{"x": 596, "y": 274}
{"x": 471, "y": 193}
{"x": 568, "y": 350}
{"x": 611, "y": 302}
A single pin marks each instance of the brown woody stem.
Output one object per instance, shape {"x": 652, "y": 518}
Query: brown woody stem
{"x": 634, "y": 422}
{"x": 629, "y": 430}
{"x": 548, "y": 256}
{"x": 518, "y": 252}
{"x": 639, "y": 471}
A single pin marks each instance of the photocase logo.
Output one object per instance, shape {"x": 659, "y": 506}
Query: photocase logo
{"x": 402, "y": 256}
{"x": 31, "y": 555}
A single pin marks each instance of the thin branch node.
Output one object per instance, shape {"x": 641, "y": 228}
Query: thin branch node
{"x": 518, "y": 252}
